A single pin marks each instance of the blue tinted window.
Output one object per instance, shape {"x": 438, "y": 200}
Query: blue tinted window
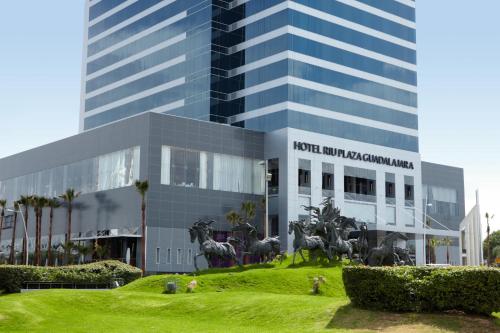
{"x": 191, "y": 88}
{"x": 338, "y": 32}
{"x": 340, "y": 104}
{"x": 333, "y": 127}
{"x": 102, "y": 7}
{"x": 183, "y": 69}
{"x": 346, "y": 58}
{"x": 361, "y": 17}
{"x": 321, "y": 51}
{"x": 352, "y": 83}
{"x": 144, "y": 23}
{"x": 189, "y": 46}
{"x": 196, "y": 20}
{"x": 393, "y": 7}
{"x": 120, "y": 16}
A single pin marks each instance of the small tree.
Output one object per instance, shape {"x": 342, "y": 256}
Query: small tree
{"x": 12, "y": 257}
{"x": 142, "y": 188}
{"x": 447, "y": 241}
{"x": 488, "y": 248}
{"x": 38, "y": 204}
{"x": 52, "y": 204}
{"x": 496, "y": 251}
{"x": 3, "y": 203}
{"x": 101, "y": 251}
{"x": 69, "y": 197}
{"x": 433, "y": 242}
{"x": 26, "y": 202}
{"x": 233, "y": 218}
{"x": 83, "y": 251}
{"x": 248, "y": 209}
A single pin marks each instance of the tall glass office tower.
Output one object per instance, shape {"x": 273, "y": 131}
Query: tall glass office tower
{"x": 345, "y": 68}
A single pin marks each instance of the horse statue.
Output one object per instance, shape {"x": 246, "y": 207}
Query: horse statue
{"x": 403, "y": 257}
{"x": 209, "y": 248}
{"x": 336, "y": 244}
{"x": 360, "y": 244}
{"x": 302, "y": 241}
{"x": 265, "y": 249}
{"x": 385, "y": 251}
{"x": 343, "y": 224}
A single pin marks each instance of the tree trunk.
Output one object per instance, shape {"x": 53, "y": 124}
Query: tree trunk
{"x": 13, "y": 242}
{"x": 448, "y": 254}
{"x": 35, "y": 255}
{"x": 49, "y": 248}
{"x": 39, "y": 257}
{"x": 25, "y": 240}
{"x": 68, "y": 235}
{"x": 2, "y": 216}
{"x": 143, "y": 240}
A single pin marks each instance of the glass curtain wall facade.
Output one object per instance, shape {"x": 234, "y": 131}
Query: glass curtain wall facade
{"x": 344, "y": 68}
{"x": 104, "y": 172}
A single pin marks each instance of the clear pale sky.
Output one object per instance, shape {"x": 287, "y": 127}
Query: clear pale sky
{"x": 459, "y": 83}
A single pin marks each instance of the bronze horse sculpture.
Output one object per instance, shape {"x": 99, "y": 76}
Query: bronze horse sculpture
{"x": 332, "y": 228}
{"x": 266, "y": 249}
{"x": 210, "y": 248}
{"x": 360, "y": 244}
{"x": 385, "y": 252}
{"x": 302, "y": 241}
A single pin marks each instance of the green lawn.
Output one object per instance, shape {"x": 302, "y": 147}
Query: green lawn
{"x": 273, "y": 299}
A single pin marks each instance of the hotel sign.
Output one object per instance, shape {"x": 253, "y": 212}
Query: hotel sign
{"x": 352, "y": 155}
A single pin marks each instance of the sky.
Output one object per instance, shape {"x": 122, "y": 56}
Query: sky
{"x": 458, "y": 70}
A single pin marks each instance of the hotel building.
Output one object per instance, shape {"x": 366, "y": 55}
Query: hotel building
{"x": 200, "y": 97}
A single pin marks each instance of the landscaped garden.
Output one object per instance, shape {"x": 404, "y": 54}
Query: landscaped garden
{"x": 266, "y": 298}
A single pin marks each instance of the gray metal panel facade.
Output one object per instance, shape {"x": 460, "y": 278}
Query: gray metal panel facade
{"x": 447, "y": 177}
{"x": 170, "y": 208}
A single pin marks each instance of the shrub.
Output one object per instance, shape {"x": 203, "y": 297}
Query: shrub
{"x": 424, "y": 289}
{"x": 12, "y": 277}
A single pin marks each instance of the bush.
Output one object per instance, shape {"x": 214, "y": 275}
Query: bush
{"x": 12, "y": 277}
{"x": 424, "y": 289}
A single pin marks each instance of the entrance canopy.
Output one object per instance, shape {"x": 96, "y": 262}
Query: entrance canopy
{"x": 108, "y": 233}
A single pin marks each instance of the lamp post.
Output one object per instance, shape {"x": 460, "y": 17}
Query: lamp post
{"x": 427, "y": 204}
{"x": 268, "y": 178}
{"x": 25, "y": 230}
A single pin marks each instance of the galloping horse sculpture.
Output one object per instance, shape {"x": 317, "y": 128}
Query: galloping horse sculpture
{"x": 385, "y": 251}
{"x": 265, "y": 249}
{"x": 302, "y": 241}
{"x": 337, "y": 245}
{"x": 360, "y": 244}
{"x": 332, "y": 228}
{"x": 208, "y": 247}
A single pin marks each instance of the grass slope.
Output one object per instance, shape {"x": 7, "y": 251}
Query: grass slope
{"x": 279, "y": 279}
{"x": 275, "y": 299}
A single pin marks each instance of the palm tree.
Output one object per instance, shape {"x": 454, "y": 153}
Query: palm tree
{"x": 68, "y": 197}
{"x": 142, "y": 188}
{"x": 84, "y": 251}
{"x": 496, "y": 251}
{"x": 25, "y": 201}
{"x": 233, "y": 218}
{"x": 38, "y": 204}
{"x": 488, "y": 218}
{"x": 52, "y": 204}
{"x": 433, "y": 242}
{"x": 248, "y": 208}
{"x": 3, "y": 203}
{"x": 447, "y": 241}
{"x": 100, "y": 251}
{"x": 12, "y": 256}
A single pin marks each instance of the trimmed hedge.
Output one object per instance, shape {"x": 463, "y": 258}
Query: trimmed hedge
{"x": 13, "y": 276}
{"x": 424, "y": 289}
